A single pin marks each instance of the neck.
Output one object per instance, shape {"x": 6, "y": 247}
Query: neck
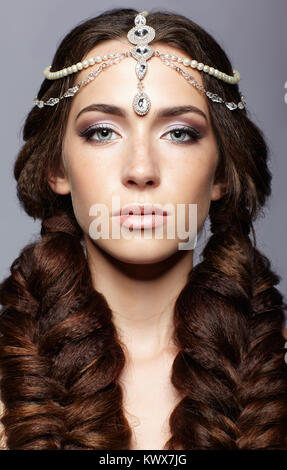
{"x": 141, "y": 297}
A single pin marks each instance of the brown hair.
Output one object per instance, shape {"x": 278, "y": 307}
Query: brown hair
{"x": 60, "y": 356}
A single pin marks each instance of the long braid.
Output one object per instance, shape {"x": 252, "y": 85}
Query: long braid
{"x": 263, "y": 392}
{"x": 33, "y": 418}
{"x": 228, "y": 322}
{"x": 67, "y": 343}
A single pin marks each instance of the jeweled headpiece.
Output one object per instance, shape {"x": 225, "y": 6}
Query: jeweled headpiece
{"x": 141, "y": 35}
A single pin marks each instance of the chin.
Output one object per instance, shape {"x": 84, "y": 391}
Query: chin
{"x": 142, "y": 251}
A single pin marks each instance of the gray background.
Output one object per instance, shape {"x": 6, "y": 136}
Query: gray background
{"x": 254, "y": 36}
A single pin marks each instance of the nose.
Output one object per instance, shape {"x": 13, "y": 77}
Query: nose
{"x": 140, "y": 169}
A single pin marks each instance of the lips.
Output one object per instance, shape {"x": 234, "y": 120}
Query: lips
{"x": 140, "y": 209}
{"x": 140, "y": 216}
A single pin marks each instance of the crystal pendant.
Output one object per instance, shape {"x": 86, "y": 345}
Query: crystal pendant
{"x": 141, "y": 35}
{"x": 141, "y": 68}
{"x": 141, "y": 103}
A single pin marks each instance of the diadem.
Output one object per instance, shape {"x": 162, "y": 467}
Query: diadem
{"x": 141, "y": 35}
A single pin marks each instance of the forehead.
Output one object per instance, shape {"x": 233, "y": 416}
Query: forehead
{"x": 117, "y": 84}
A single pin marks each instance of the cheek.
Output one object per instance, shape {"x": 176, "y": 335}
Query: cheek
{"x": 193, "y": 185}
{"x": 195, "y": 178}
{"x": 86, "y": 184}
{"x": 85, "y": 169}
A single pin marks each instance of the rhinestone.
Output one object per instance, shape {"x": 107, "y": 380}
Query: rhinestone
{"x": 39, "y": 103}
{"x": 141, "y": 68}
{"x": 141, "y": 35}
{"x": 217, "y": 99}
{"x": 214, "y": 97}
{"x": 240, "y": 105}
{"x": 141, "y": 103}
{"x": 142, "y": 52}
{"x": 52, "y": 101}
{"x": 71, "y": 92}
{"x": 140, "y": 20}
{"x": 141, "y": 32}
{"x": 231, "y": 105}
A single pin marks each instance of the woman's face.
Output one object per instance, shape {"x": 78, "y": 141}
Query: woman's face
{"x": 139, "y": 159}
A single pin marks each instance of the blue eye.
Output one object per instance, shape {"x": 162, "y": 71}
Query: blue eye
{"x": 99, "y": 130}
{"x": 193, "y": 134}
{"x": 103, "y": 132}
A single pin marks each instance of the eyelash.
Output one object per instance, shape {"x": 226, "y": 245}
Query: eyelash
{"x": 87, "y": 134}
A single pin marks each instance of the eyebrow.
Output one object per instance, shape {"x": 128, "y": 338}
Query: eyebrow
{"x": 162, "y": 112}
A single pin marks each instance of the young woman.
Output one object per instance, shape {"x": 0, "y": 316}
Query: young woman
{"x": 125, "y": 343}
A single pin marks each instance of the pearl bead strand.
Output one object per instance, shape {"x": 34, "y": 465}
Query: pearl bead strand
{"x": 231, "y": 79}
{"x": 77, "y": 67}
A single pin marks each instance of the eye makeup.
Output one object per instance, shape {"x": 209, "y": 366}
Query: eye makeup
{"x": 95, "y": 130}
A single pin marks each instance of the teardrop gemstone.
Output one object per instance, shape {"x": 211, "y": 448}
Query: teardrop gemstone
{"x": 141, "y": 68}
{"x": 141, "y": 103}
